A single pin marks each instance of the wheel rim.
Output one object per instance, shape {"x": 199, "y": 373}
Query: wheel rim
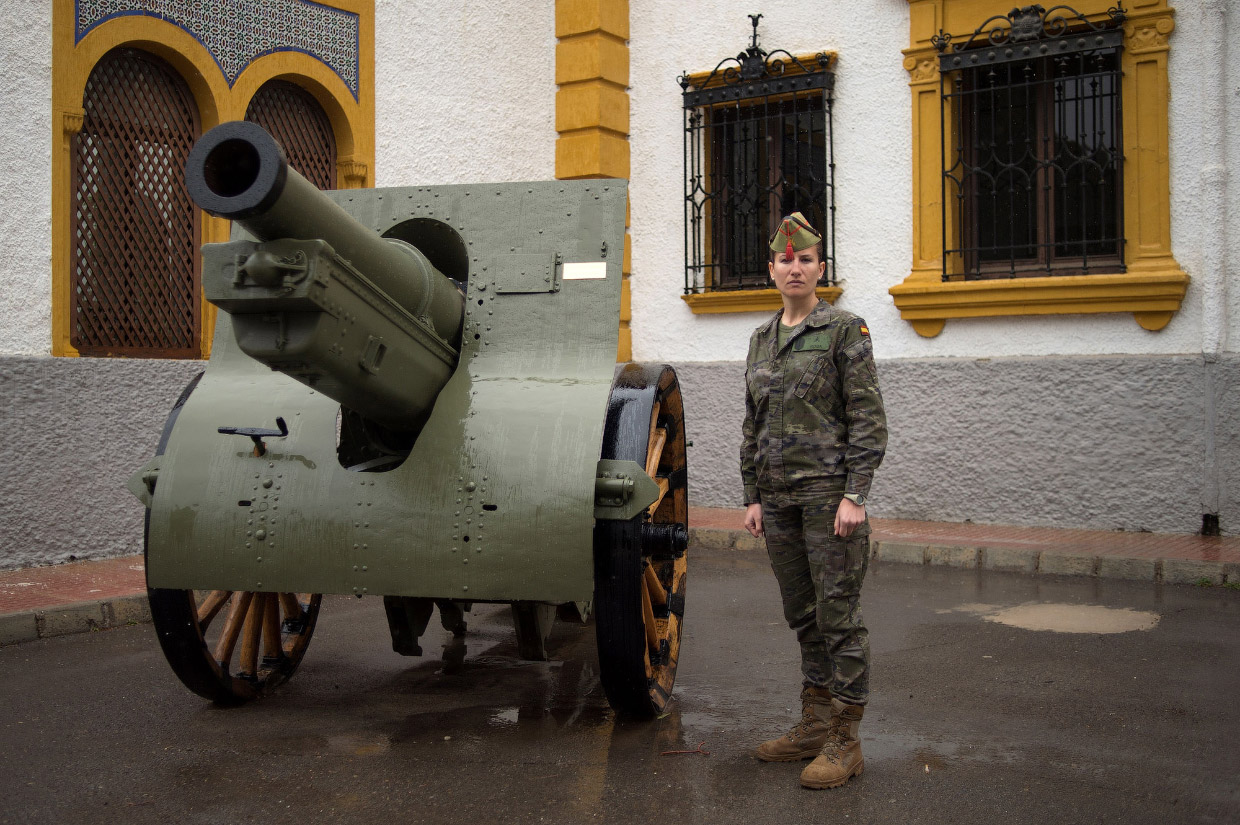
{"x": 231, "y": 646}
{"x": 639, "y": 588}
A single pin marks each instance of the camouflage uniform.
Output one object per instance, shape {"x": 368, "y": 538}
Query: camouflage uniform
{"x": 814, "y": 430}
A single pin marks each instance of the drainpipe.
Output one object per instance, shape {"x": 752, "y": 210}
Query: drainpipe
{"x": 1216, "y": 214}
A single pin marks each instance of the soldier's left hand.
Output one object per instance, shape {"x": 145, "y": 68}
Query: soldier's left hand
{"x": 848, "y": 517}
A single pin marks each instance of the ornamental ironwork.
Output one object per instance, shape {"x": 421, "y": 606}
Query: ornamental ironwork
{"x": 1028, "y": 32}
{"x": 758, "y": 146}
{"x": 1031, "y": 117}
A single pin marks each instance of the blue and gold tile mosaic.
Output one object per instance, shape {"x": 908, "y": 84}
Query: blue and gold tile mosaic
{"x": 237, "y": 32}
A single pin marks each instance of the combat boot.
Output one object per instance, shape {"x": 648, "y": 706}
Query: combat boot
{"x": 808, "y": 736}
{"x": 840, "y": 759}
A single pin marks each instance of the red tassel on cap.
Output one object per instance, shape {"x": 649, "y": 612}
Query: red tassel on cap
{"x": 789, "y": 253}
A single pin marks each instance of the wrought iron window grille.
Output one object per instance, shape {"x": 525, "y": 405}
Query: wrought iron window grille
{"x": 134, "y": 256}
{"x": 757, "y": 146}
{"x": 1031, "y": 122}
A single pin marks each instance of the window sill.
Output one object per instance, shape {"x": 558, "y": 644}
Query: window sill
{"x": 1152, "y": 295}
{"x": 748, "y": 300}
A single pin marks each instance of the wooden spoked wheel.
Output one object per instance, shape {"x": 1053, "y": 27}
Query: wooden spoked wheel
{"x": 640, "y": 564}
{"x": 231, "y": 646}
{"x": 228, "y": 646}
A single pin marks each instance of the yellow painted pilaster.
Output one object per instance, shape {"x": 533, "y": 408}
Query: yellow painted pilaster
{"x": 592, "y": 108}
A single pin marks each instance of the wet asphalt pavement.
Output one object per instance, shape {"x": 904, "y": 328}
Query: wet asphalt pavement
{"x": 971, "y": 720}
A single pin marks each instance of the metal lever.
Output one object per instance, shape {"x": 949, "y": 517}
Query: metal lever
{"x": 257, "y": 434}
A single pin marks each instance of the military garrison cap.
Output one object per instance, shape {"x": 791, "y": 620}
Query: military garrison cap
{"x": 793, "y": 235}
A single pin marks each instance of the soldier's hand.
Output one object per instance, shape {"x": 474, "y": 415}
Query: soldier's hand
{"x": 753, "y": 520}
{"x": 848, "y": 517}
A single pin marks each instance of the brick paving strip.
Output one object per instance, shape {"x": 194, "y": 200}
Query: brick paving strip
{"x": 39, "y": 602}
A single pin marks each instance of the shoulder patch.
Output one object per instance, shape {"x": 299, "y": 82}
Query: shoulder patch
{"x": 865, "y": 330}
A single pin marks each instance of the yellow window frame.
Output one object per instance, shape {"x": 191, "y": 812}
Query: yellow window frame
{"x": 1153, "y": 286}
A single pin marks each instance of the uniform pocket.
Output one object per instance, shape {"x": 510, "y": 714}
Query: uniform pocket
{"x": 811, "y": 374}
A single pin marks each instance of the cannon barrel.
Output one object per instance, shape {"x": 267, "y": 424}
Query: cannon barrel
{"x": 238, "y": 171}
{"x": 366, "y": 320}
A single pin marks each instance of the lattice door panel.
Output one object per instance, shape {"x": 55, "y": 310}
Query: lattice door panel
{"x": 299, "y": 124}
{"x": 135, "y": 273}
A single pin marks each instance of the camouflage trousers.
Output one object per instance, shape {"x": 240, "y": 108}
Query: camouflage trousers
{"x": 820, "y": 576}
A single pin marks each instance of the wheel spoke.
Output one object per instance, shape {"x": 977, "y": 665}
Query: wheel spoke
{"x": 248, "y": 666}
{"x": 292, "y": 608}
{"x": 232, "y": 628}
{"x": 654, "y": 453}
{"x": 652, "y": 628}
{"x": 211, "y": 606}
{"x": 663, "y": 488}
{"x": 271, "y": 626}
{"x": 654, "y": 588}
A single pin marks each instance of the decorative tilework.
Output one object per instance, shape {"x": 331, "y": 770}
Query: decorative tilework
{"x": 237, "y": 32}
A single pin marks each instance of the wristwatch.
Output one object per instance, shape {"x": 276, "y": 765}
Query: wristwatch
{"x": 856, "y": 498}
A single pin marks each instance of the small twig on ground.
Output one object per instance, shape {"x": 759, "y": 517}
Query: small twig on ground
{"x": 698, "y": 749}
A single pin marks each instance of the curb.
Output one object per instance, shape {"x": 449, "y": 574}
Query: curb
{"x": 82, "y": 617}
{"x": 1009, "y": 559}
{"x": 122, "y": 611}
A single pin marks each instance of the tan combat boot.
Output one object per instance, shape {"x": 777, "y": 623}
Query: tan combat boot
{"x": 840, "y": 759}
{"x": 807, "y": 737}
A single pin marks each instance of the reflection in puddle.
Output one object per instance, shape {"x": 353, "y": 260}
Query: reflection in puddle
{"x": 1064, "y": 618}
{"x": 507, "y": 716}
{"x": 453, "y": 658}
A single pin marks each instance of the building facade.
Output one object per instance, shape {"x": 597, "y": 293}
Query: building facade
{"x": 1049, "y": 297}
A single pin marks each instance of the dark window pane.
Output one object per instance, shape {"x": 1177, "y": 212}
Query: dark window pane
{"x": 1035, "y": 180}
{"x": 299, "y": 124}
{"x": 765, "y": 159}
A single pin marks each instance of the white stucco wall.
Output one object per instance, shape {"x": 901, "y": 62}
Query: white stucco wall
{"x": 464, "y": 91}
{"x": 873, "y": 151}
{"x": 26, "y": 178}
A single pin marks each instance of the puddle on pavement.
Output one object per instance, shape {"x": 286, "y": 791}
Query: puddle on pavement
{"x": 1064, "y": 618}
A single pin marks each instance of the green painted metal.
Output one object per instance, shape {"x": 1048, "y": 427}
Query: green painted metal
{"x": 300, "y": 308}
{"x": 496, "y": 499}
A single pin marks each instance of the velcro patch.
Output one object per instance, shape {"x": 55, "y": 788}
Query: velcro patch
{"x": 859, "y": 349}
{"x": 823, "y": 340}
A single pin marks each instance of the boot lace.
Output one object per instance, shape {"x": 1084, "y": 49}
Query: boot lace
{"x": 837, "y": 739}
{"x": 803, "y": 728}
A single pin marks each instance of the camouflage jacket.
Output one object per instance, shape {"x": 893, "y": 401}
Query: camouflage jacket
{"x": 814, "y": 419}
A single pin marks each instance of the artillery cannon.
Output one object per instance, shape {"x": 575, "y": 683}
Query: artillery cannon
{"x": 449, "y": 427}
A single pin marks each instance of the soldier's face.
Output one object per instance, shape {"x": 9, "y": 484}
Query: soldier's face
{"x": 797, "y": 276}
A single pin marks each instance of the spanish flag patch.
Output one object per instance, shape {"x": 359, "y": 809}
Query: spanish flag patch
{"x": 865, "y": 330}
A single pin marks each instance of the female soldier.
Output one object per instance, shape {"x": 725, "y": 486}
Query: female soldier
{"x": 814, "y": 434}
